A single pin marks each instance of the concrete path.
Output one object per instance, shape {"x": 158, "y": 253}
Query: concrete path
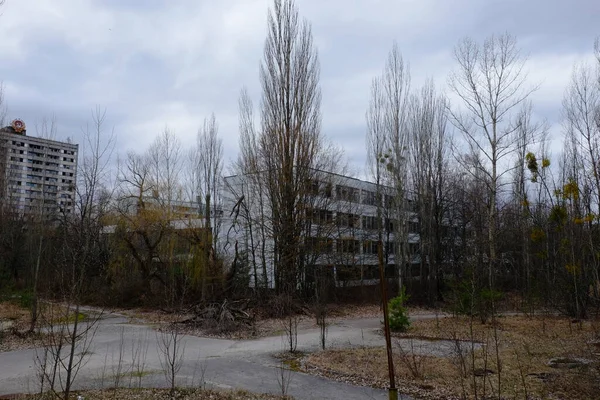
{"x": 220, "y": 363}
{"x": 245, "y": 364}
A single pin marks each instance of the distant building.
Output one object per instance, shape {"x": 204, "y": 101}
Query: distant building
{"x": 342, "y": 228}
{"x": 37, "y": 176}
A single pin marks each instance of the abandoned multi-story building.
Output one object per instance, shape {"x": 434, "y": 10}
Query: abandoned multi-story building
{"x": 36, "y": 175}
{"x": 343, "y": 225}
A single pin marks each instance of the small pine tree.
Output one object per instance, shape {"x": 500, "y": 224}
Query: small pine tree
{"x": 398, "y": 314}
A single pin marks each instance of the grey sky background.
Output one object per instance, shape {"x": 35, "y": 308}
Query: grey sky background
{"x": 156, "y": 63}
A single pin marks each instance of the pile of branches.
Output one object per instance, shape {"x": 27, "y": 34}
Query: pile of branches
{"x": 221, "y": 317}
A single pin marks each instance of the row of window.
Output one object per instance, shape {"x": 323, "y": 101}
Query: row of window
{"x": 40, "y": 155}
{"x": 346, "y": 193}
{"x": 352, "y": 246}
{"x": 38, "y": 147}
{"x": 354, "y": 195}
{"x": 38, "y": 178}
{"x": 349, "y": 220}
{"x": 38, "y": 162}
{"x": 30, "y": 208}
{"x": 351, "y": 272}
{"x": 50, "y": 188}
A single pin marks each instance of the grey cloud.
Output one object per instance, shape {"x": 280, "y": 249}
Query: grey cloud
{"x": 157, "y": 63}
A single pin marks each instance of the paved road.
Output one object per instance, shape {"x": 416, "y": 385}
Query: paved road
{"x": 247, "y": 364}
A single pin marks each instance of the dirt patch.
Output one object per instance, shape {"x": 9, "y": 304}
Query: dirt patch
{"x": 159, "y": 394}
{"x": 14, "y": 323}
{"x": 18, "y": 316}
{"x": 523, "y": 345}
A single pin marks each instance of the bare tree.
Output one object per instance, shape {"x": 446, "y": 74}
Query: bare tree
{"x": 207, "y": 160}
{"x": 291, "y": 124}
{"x": 286, "y": 151}
{"x": 580, "y": 192}
{"x": 429, "y": 146}
{"x": 251, "y": 213}
{"x": 171, "y": 348}
{"x": 165, "y": 163}
{"x": 490, "y": 81}
{"x": 210, "y": 152}
{"x": 144, "y": 224}
{"x": 376, "y": 149}
{"x": 40, "y": 218}
{"x": 80, "y": 254}
{"x": 65, "y": 347}
{"x": 95, "y": 186}
{"x": 387, "y": 119}
{"x": 46, "y": 128}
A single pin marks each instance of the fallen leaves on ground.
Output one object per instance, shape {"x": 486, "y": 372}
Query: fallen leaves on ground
{"x": 165, "y": 394}
{"x": 525, "y": 346}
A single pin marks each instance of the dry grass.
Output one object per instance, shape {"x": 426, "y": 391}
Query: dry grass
{"x": 368, "y": 367}
{"x": 164, "y": 394}
{"x": 14, "y": 337}
{"x": 525, "y": 346}
{"x": 18, "y": 315}
{"x": 17, "y": 336}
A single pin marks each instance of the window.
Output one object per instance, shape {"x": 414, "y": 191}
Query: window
{"x": 368, "y": 197}
{"x": 327, "y": 190}
{"x": 371, "y": 272}
{"x": 390, "y": 225}
{"x": 389, "y": 201}
{"x": 319, "y": 245}
{"x": 370, "y": 247}
{"x": 390, "y": 247}
{"x": 370, "y": 223}
{"x": 311, "y": 244}
{"x": 346, "y": 193}
{"x": 348, "y": 273}
{"x": 319, "y": 217}
{"x": 347, "y": 246}
{"x": 345, "y": 220}
{"x": 413, "y": 248}
{"x": 391, "y": 271}
{"x": 413, "y": 227}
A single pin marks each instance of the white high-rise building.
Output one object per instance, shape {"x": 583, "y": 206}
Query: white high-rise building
{"x": 37, "y": 176}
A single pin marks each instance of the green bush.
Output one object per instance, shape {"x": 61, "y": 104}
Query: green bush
{"x": 398, "y": 316}
{"x": 26, "y": 299}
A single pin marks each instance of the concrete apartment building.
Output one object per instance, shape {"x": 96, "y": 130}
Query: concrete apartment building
{"x": 37, "y": 176}
{"x": 341, "y": 234}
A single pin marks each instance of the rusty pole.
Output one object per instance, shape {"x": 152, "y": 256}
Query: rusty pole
{"x": 393, "y": 391}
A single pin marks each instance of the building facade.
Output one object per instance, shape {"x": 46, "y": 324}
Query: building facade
{"x": 344, "y": 221}
{"x": 37, "y": 176}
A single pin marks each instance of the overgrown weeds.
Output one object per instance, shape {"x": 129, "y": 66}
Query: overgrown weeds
{"x": 509, "y": 359}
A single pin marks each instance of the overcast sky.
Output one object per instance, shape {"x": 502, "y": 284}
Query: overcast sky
{"x": 157, "y": 63}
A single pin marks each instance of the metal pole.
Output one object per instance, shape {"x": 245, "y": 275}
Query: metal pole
{"x": 393, "y": 391}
